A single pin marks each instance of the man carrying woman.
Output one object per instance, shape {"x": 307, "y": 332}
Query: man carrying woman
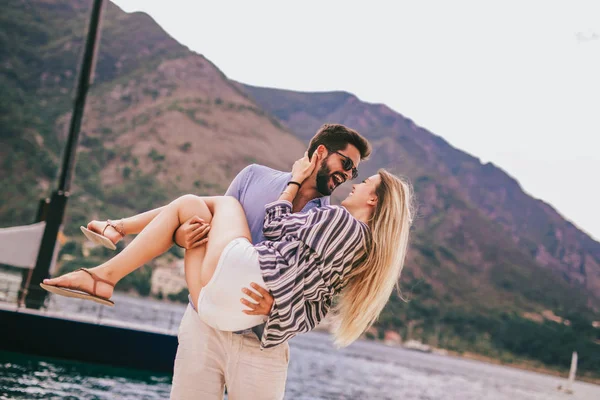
{"x": 354, "y": 251}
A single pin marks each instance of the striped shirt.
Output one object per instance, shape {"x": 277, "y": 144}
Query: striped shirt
{"x": 304, "y": 263}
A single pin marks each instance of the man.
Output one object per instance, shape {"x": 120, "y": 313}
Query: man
{"x": 208, "y": 359}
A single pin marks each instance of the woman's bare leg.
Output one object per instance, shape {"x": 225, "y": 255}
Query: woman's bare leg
{"x": 228, "y": 223}
{"x": 193, "y": 261}
{"x": 131, "y": 225}
{"x": 156, "y": 238}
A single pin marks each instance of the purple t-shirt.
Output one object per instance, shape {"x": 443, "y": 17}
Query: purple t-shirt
{"x": 255, "y": 187}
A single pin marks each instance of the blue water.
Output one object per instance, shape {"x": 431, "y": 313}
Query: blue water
{"x": 27, "y": 377}
{"x": 365, "y": 370}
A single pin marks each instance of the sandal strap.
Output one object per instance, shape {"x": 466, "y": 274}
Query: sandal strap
{"x": 120, "y": 230}
{"x": 96, "y": 279}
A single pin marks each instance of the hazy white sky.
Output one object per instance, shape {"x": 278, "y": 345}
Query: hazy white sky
{"x": 516, "y": 83}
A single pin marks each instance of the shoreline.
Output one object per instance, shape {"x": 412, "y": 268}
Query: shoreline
{"x": 520, "y": 363}
{"x": 523, "y": 365}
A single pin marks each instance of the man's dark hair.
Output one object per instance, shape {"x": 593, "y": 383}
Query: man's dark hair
{"x": 337, "y": 137}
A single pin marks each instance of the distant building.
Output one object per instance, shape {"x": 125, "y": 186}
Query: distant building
{"x": 392, "y": 338}
{"x": 168, "y": 279}
{"x": 417, "y": 345}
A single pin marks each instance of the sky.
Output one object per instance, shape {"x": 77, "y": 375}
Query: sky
{"x": 515, "y": 83}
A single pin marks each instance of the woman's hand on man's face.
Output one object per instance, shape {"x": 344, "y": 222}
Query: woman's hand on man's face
{"x": 304, "y": 167}
{"x": 261, "y": 303}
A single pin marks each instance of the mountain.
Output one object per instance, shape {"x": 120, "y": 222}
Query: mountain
{"x": 528, "y": 226}
{"x": 480, "y": 246}
{"x": 160, "y": 120}
{"x": 491, "y": 270}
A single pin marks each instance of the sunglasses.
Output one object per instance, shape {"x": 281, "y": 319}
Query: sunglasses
{"x": 348, "y": 164}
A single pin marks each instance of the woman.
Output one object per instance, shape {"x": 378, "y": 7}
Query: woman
{"x": 355, "y": 250}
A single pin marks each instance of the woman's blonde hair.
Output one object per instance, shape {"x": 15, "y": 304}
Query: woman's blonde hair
{"x": 371, "y": 282}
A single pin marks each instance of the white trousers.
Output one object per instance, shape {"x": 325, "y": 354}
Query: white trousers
{"x": 208, "y": 360}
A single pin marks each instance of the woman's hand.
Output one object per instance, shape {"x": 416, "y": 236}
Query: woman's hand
{"x": 303, "y": 168}
{"x": 263, "y": 301}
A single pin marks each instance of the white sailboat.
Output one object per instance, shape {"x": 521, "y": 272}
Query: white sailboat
{"x": 569, "y": 387}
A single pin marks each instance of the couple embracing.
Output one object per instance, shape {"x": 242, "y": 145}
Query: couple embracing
{"x": 275, "y": 237}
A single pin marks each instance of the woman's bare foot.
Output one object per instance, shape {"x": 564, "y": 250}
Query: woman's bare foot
{"x": 110, "y": 233}
{"x": 81, "y": 280}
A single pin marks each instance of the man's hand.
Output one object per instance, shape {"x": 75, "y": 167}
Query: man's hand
{"x": 263, "y": 301}
{"x": 192, "y": 233}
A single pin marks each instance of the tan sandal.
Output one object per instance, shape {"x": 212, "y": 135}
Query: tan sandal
{"x": 81, "y": 294}
{"x": 100, "y": 238}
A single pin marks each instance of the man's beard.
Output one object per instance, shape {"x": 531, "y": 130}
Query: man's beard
{"x": 323, "y": 176}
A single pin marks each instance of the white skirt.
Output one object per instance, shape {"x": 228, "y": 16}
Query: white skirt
{"x": 219, "y": 304}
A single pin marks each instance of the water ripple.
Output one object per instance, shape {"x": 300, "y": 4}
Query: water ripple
{"x": 366, "y": 370}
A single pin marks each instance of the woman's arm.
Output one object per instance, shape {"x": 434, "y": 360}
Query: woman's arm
{"x": 290, "y": 192}
{"x": 301, "y": 170}
{"x": 276, "y": 211}
{"x": 300, "y": 316}
{"x": 275, "y": 214}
